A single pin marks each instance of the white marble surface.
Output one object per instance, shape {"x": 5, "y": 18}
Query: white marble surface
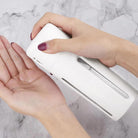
{"x": 118, "y": 17}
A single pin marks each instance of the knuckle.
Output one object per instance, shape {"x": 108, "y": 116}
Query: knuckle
{"x": 16, "y": 57}
{"x": 54, "y": 44}
{"x": 35, "y": 25}
{"x": 47, "y": 14}
{"x": 8, "y": 59}
{"x": 73, "y": 21}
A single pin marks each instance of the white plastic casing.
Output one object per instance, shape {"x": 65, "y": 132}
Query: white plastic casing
{"x": 88, "y": 77}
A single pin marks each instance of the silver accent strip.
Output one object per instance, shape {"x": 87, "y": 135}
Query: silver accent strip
{"x": 102, "y": 77}
{"x": 87, "y": 97}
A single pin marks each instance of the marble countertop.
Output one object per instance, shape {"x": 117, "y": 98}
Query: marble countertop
{"x": 118, "y": 17}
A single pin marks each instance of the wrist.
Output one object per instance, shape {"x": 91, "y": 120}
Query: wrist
{"x": 60, "y": 122}
{"x": 120, "y": 44}
{"x": 126, "y": 56}
{"x": 125, "y": 49}
{"x": 112, "y": 45}
{"x": 52, "y": 111}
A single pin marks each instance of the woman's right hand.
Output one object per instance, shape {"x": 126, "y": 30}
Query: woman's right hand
{"x": 86, "y": 40}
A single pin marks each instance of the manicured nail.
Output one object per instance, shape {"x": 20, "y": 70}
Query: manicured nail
{"x": 12, "y": 43}
{"x": 42, "y": 47}
{"x": 31, "y": 36}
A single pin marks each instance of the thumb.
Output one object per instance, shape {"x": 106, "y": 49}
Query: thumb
{"x": 59, "y": 45}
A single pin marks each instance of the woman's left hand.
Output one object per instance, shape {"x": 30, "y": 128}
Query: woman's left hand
{"x": 23, "y": 85}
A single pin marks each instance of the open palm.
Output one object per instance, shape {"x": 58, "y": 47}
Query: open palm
{"x": 23, "y": 85}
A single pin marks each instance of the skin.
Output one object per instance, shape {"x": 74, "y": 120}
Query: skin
{"x": 90, "y": 42}
{"x": 28, "y": 90}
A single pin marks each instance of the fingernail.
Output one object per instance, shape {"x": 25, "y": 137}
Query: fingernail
{"x": 31, "y": 36}
{"x": 42, "y": 47}
{"x": 12, "y": 43}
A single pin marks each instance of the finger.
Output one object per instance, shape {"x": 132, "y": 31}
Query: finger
{"x": 4, "y": 73}
{"x": 7, "y": 60}
{"x": 28, "y": 62}
{"x": 5, "y": 93}
{"x": 65, "y": 23}
{"x": 59, "y": 45}
{"x": 19, "y": 63}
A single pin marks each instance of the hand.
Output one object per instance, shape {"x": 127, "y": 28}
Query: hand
{"x": 86, "y": 40}
{"x": 23, "y": 86}
{"x": 30, "y": 91}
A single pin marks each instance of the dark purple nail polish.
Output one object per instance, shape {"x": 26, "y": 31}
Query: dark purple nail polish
{"x": 12, "y": 43}
{"x": 42, "y": 47}
{"x": 31, "y": 36}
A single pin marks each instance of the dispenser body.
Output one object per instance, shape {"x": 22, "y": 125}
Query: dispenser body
{"x": 88, "y": 77}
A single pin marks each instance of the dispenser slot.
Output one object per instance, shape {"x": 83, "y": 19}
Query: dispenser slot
{"x": 103, "y": 78}
{"x": 87, "y": 97}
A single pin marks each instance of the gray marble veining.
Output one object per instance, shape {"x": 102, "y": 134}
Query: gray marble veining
{"x": 118, "y": 17}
